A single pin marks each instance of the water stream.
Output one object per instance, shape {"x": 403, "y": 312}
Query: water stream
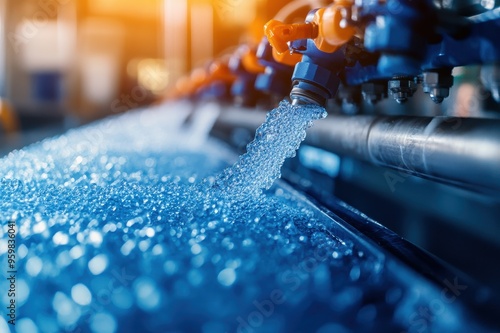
{"x": 277, "y": 139}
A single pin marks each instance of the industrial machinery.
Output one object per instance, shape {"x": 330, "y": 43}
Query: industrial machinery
{"x": 352, "y": 51}
{"x": 413, "y": 133}
{"x": 395, "y": 43}
{"x": 386, "y": 220}
{"x": 380, "y": 47}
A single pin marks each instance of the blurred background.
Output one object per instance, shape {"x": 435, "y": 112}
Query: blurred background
{"x": 68, "y": 62}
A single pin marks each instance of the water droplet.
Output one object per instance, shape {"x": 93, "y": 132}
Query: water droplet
{"x": 148, "y": 297}
{"x": 4, "y": 327}
{"x": 196, "y": 249}
{"x": 24, "y": 325}
{"x": 22, "y": 251}
{"x": 157, "y": 250}
{"x": 127, "y": 247}
{"x": 67, "y": 312}
{"x": 123, "y": 299}
{"x": 170, "y": 267}
{"x": 195, "y": 277}
{"x": 23, "y": 292}
{"x": 95, "y": 238}
{"x": 98, "y": 264}
{"x": 60, "y": 238}
{"x": 39, "y": 227}
{"x": 81, "y": 294}
{"x": 150, "y": 232}
{"x": 227, "y": 277}
{"x": 34, "y": 266}
{"x": 103, "y": 322}
{"x": 76, "y": 252}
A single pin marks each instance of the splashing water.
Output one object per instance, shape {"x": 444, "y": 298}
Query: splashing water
{"x": 277, "y": 139}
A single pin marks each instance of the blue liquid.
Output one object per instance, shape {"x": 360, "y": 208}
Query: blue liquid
{"x": 121, "y": 228}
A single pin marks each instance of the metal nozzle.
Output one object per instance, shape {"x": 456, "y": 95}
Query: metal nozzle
{"x": 402, "y": 88}
{"x": 437, "y": 84}
{"x": 301, "y": 96}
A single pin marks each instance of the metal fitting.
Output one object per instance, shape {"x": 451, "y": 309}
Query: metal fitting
{"x": 304, "y": 96}
{"x": 350, "y": 98}
{"x": 313, "y": 83}
{"x": 402, "y": 88}
{"x": 374, "y": 92}
{"x": 437, "y": 84}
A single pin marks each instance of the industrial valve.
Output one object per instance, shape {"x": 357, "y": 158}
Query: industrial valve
{"x": 385, "y": 48}
{"x": 213, "y": 81}
{"x": 320, "y": 40}
{"x": 245, "y": 65}
{"x": 275, "y": 80}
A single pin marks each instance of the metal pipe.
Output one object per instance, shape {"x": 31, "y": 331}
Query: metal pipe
{"x": 460, "y": 151}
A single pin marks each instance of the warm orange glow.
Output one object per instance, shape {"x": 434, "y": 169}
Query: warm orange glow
{"x": 175, "y": 37}
{"x": 8, "y": 119}
{"x": 236, "y": 12}
{"x": 251, "y": 62}
{"x": 466, "y": 102}
{"x": 202, "y": 33}
{"x": 104, "y": 50}
{"x": 152, "y": 75}
{"x": 132, "y": 8}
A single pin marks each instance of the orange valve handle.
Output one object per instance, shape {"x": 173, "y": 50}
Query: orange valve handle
{"x": 251, "y": 62}
{"x": 328, "y": 29}
{"x": 332, "y": 29}
{"x": 8, "y": 119}
{"x": 219, "y": 71}
{"x": 279, "y": 33}
{"x": 287, "y": 58}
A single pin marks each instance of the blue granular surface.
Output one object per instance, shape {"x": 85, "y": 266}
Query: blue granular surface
{"x": 123, "y": 227}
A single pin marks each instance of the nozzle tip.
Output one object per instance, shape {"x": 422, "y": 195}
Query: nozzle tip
{"x": 300, "y": 96}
